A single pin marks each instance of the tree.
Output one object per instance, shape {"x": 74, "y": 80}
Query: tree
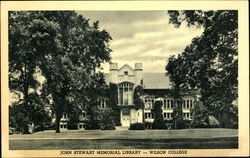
{"x": 138, "y": 102}
{"x": 176, "y": 70}
{"x": 67, "y": 50}
{"x": 22, "y": 115}
{"x": 158, "y": 117}
{"x": 200, "y": 116}
{"x": 210, "y": 62}
{"x": 96, "y": 92}
{"x": 113, "y": 101}
{"x": 30, "y": 38}
{"x": 106, "y": 119}
{"x": 73, "y": 117}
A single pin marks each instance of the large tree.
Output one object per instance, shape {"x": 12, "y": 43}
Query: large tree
{"x": 210, "y": 62}
{"x": 65, "y": 48}
{"x": 30, "y": 38}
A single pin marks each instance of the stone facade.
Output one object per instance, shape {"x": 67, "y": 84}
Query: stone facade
{"x": 127, "y": 78}
{"x": 155, "y": 85}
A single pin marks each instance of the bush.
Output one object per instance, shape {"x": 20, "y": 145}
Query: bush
{"x": 50, "y": 127}
{"x": 213, "y": 122}
{"x": 148, "y": 125}
{"x": 72, "y": 126}
{"x": 137, "y": 126}
{"x": 38, "y": 128}
{"x": 92, "y": 124}
{"x": 93, "y": 119}
{"x": 107, "y": 121}
{"x": 158, "y": 116}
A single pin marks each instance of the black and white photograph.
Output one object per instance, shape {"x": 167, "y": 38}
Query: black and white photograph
{"x": 117, "y": 82}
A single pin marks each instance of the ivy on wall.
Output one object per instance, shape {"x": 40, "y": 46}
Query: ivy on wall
{"x": 138, "y": 102}
{"x": 113, "y": 95}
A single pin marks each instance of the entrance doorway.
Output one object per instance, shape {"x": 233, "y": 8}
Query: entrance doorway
{"x": 125, "y": 117}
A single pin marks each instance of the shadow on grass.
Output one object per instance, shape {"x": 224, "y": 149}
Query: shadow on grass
{"x": 178, "y": 143}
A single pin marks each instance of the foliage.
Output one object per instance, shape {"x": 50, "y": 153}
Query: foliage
{"x": 210, "y": 62}
{"x": 177, "y": 115}
{"x": 107, "y": 121}
{"x": 200, "y": 116}
{"x": 148, "y": 125}
{"x": 67, "y": 51}
{"x": 213, "y": 122}
{"x": 93, "y": 119}
{"x": 96, "y": 91}
{"x": 138, "y": 102}
{"x": 73, "y": 117}
{"x": 22, "y": 114}
{"x": 137, "y": 126}
{"x": 113, "y": 94}
{"x": 100, "y": 118}
{"x": 158, "y": 116}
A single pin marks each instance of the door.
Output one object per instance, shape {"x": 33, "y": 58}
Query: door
{"x": 125, "y": 120}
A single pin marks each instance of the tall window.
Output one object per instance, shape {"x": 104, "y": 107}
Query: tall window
{"x": 165, "y": 104}
{"x": 172, "y": 103}
{"x": 125, "y": 91}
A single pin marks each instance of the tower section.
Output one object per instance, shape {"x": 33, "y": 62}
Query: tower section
{"x": 113, "y": 69}
{"x": 138, "y": 73}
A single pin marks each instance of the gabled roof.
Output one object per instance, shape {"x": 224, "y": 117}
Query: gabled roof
{"x": 151, "y": 80}
{"x": 126, "y": 65}
{"x": 156, "y": 81}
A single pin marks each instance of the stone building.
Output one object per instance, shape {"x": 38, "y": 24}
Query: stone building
{"x": 155, "y": 86}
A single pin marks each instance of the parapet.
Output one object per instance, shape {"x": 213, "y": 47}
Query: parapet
{"x": 113, "y": 66}
{"x": 138, "y": 66}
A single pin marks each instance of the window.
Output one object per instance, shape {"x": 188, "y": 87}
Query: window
{"x": 125, "y": 72}
{"x": 172, "y": 103}
{"x": 61, "y": 126}
{"x": 168, "y": 104}
{"x": 165, "y": 115}
{"x": 165, "y": 104}
{"x": 191, "y": 104}
{"x": 184, "y": 104}
{"x": 168, "y": 116}
{"x": 188, "y": 104}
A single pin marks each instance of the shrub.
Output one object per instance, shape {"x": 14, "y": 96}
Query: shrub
{"x": 107, "y": 121}
{"x": 137, "y": 126}
{"x": 148, "y": 125}
{"x": 92, "y": 125}
{"x": 213, "y": 122}
{"x": 50, "y": 127}
{"x": 72, "y": 126}
{"x": 158, "y": 119}
{"x": 93, "y": 119}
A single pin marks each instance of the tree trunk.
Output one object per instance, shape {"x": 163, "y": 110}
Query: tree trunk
{"x": 58, "y": 118}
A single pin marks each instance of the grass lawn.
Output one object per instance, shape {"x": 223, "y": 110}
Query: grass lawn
{"x": 127, "y": 139}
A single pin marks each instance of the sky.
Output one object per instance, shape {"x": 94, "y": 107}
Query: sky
{"x": 142, "y": 36}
